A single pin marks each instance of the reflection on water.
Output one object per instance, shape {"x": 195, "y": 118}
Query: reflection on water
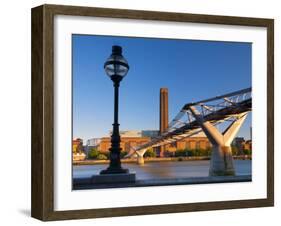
{"x": 164, "y": 170}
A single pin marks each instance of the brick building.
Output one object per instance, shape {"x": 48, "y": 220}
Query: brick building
{"x": 126, "y": 143}
{"x": 190, "y": 143}
{"x": 77, "y": 145}
{"x": 78, "y": 150}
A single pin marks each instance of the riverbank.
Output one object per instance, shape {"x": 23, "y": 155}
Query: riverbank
{"x": 87, "y": 183}
{"x": 166, "y": 159}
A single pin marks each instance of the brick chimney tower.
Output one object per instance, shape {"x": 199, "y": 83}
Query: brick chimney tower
{"x": 164, "y": 115}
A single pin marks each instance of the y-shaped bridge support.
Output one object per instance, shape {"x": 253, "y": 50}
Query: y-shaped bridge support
{"x": 140, "y": 158}
{"x": 221, "y": 159}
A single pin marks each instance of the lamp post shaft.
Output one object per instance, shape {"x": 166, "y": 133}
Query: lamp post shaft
{"x": 115, "y": 150}
{"x": 115, "y": 137}
{"x": 116, "y": 104}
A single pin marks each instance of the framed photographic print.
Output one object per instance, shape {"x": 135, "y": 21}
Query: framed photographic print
{"x": 141, "y": 112}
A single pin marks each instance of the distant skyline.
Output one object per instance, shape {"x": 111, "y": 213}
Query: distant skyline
{"x": 191, "y": 70}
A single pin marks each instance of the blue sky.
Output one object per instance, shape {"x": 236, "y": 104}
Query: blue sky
{"x": 192, "y": 70}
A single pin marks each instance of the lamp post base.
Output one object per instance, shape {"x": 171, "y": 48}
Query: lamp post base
{"x": 111, "y": 170}
{"x": 114, "y": 178}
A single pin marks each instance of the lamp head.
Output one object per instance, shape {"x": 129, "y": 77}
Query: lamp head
{"x": 116, "y": 66}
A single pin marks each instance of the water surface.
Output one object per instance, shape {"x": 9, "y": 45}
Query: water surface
{"x": 164, "y": 170}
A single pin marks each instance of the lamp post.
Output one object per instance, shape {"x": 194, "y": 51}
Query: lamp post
{"x": 116, "y": 67}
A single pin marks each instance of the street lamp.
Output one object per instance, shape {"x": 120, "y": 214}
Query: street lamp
{"x": 116, "y": 67}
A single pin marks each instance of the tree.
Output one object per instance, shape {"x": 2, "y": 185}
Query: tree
{"x": 234, "y": 149}
{"x": 150, "y": 153}
{"x": 247, "y": 152}
{"x": 101, "y": 157}
{"x": 181, "y": 153}
{"x": 123, "y": 154}
{"x": 93, "y": 153}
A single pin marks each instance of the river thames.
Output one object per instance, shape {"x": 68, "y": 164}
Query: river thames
{"x": 164, "y": 170}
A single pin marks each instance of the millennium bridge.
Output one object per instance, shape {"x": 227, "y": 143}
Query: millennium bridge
{"x": 205, "y": 116}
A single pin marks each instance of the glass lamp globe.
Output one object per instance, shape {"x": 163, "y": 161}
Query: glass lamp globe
{"x": 116, "y": 65}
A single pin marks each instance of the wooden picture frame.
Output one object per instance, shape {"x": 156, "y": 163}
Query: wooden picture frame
{"x": 42, "y": 203}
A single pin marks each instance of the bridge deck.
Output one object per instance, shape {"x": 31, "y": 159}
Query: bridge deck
{"x": 219, "y": 115}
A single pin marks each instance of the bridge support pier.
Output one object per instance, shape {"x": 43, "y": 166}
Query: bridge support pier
{"x": 221, "y": 163}
{"x": 140, "y": 159}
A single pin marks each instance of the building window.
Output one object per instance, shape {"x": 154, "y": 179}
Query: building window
{"x": 202, "y": 145}
{"x": 192, "y": 144}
